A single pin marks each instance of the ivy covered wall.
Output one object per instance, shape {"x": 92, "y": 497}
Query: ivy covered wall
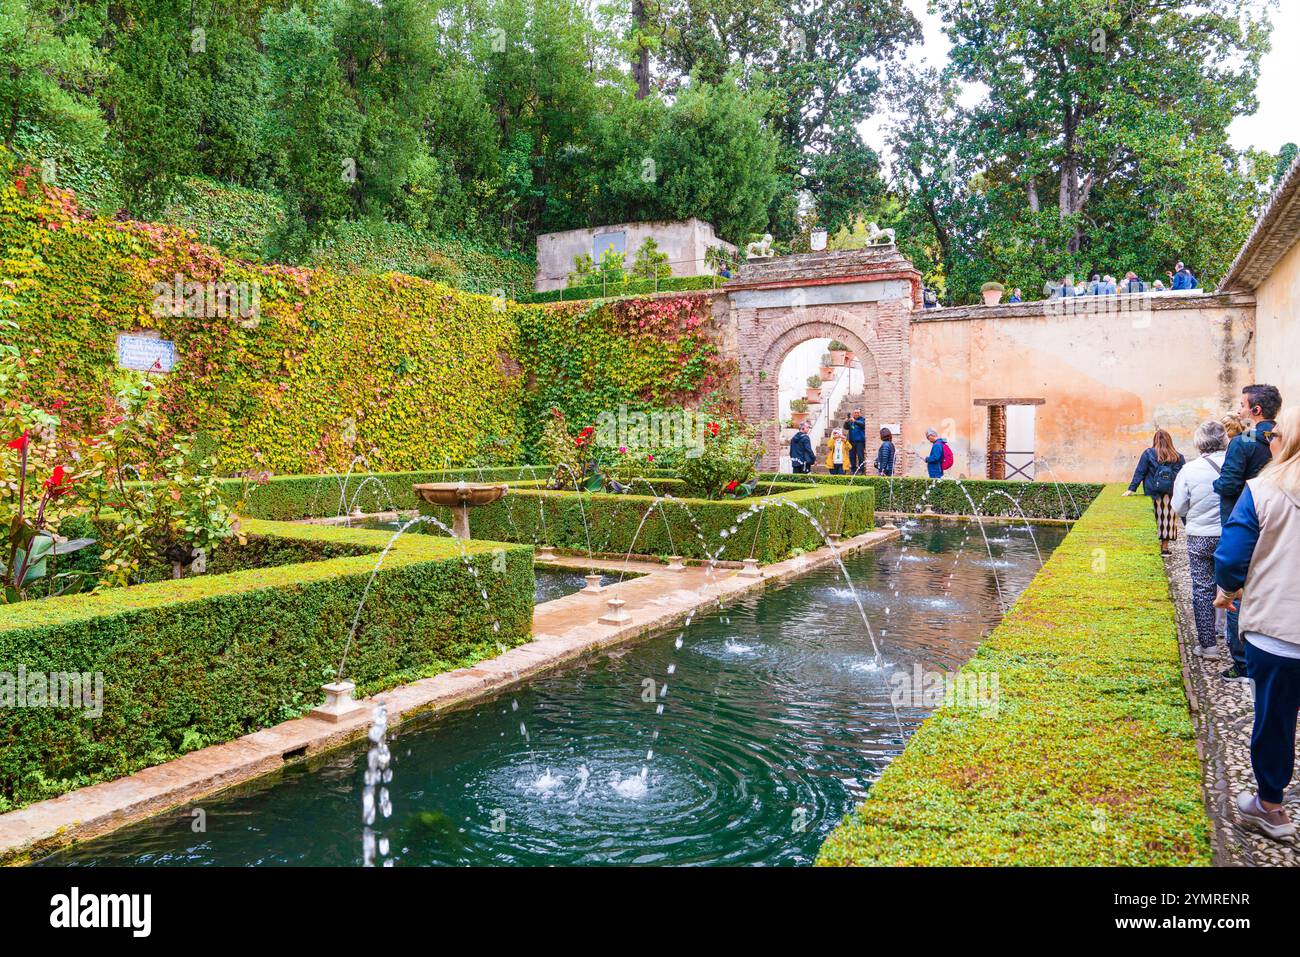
{"x": 409, "y": 373}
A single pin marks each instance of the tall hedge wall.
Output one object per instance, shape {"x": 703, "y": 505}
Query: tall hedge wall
{"x": 613, "y": 523}
{"x": 1090, "y": 757}
{"x": 206, "y": 659}
{"x": 409, "y": 373}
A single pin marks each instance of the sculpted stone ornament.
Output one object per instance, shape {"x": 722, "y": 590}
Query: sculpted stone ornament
{"x": 760, "y": 249}
{"x": 878, "y": 236}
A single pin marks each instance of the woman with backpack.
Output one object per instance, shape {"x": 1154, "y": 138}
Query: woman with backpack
{"x": 1157, "y": 470}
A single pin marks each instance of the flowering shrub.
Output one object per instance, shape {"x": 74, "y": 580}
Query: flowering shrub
{"x": 728, "y": 463}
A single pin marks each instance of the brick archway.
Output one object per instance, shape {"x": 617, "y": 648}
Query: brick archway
{"x": 864, "y": 298}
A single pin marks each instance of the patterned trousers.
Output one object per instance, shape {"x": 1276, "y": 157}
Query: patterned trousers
{"x": 1200, "y": 561}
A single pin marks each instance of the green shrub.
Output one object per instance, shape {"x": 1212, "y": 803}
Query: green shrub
{"x": 1065, "y": 500}
{"x": 1091, "y": 756}
{"x": 612, "y": 524}
{"x": 221, "y": 655}
{"x": 631, "y": 287}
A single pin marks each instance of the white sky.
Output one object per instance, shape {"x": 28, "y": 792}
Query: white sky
{"x": 1273, "y": 124}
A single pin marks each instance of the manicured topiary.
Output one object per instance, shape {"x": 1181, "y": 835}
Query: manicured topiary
{"x": 208, "y": 658}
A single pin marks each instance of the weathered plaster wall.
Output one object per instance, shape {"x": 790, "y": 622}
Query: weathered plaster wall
{"x": 1108, "y": 378}
{"x": 1277, "y": 331}
{"x": 684, "y": 242}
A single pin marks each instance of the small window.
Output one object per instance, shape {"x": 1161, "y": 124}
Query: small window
{"x": 602, "y": 241}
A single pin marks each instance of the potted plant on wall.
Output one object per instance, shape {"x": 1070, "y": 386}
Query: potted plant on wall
{"x": 827, "y": 370}
{"x": 838, "y": 351}
{"x": 798, "y": 411}
{"x": 814, "y": 391}
{"x": 992, "y": 293}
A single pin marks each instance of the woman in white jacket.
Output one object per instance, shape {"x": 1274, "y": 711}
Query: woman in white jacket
{"x": 1197, "y": 504}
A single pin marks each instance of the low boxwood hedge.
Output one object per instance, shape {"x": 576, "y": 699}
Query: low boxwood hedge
{"x": 1063, "y": 500}
{"x": 633, "y": 287}
{"x": 1090, "y": 757}
{"x": 206, "y": 659}
{"x": 287, "y": 498}
{"x": 690, "y": 527}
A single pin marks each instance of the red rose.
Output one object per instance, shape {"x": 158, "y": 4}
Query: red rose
{"x": 20, "y": 444}
{"x": 713, "y": 428}
{"x": 731, "y": 486}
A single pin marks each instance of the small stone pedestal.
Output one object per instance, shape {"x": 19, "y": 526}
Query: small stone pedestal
{"x": 338, "y": 702}
{"x": 835, "y": 538}
{"x": 616, "y": 615}
{"x": 751, "y": 569}
{"x": 675, "y": 564}
{"x": 593, "y": 585}
{"x": 545, "y": 553}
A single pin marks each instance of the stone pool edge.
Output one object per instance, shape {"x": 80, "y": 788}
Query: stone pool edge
{"x": 564, "y": 631}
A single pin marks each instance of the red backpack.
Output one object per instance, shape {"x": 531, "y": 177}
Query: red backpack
{"x": 946, "y": 462}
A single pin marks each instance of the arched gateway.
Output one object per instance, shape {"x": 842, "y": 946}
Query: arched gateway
{"x": 862, "y": 297}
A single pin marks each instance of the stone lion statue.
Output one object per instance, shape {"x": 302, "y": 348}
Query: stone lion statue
{"x": 879, "y": 237}
{"x": 760, "y": 249}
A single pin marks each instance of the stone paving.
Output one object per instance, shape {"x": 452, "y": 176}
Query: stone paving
{"x": 1222, "y": 712}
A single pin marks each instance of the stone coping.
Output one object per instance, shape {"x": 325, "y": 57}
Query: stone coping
{"x": 564, "y": 631}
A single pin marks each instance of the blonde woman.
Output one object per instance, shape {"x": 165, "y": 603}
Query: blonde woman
{"x": 1233, "y": 425}
{"x": 1256, "y": 558}
{"x": 837, "y": 452}
{"x": 1157, "y": 470}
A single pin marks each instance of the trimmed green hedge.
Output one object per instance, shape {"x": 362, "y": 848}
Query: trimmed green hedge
{"x": 206, "y": 659}
{"x": 536, "y": 515}
{"x": 908, "y": 494}
{"x": 291, "y": 497}
{"x": 634, "y": 287}
{"x": 1091, "y": 756}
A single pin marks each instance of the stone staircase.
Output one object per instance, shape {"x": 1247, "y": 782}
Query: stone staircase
{"x": 851, "y": 401}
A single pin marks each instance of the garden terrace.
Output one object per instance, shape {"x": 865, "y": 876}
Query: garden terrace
{"x": 1090, "y": 758}
{"x": 205, "y": 659}
{"x": 642, "y": 524}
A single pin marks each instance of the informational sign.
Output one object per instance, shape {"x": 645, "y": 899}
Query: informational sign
{"x": 145, "y": 353}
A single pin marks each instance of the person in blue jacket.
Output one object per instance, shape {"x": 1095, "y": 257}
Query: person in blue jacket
{"x": 855, "y": 430}
{"x": 885, "y": 455}
{"x": 1181, "y": 277}
{"x": 934, "y": 461}
{"x": 1256, "y": 555}
{"x": 1246, "y": 458}
{"x": 1157, "y": 470}
{"x": 802, "y": 455}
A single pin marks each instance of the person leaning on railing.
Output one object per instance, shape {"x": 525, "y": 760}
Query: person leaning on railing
{"x": 1257, "y": 558}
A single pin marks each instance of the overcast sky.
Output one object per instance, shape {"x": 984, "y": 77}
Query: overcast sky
{"x": 1268, "y": 128}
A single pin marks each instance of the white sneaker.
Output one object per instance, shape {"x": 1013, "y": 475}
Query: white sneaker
{"x": 1200, "y": 651}
{"x": 1275, "y": 824}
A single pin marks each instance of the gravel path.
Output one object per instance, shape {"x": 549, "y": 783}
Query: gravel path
{"x": 1222, "y": 712}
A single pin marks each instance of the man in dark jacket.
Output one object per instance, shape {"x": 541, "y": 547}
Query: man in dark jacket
{"x": 801, "y": 451}
{"x": 1181, "y": 278}
{"x": 855, "y": 430}
{"x": 934, "y": 461}
{"x": 1247, "y": 455}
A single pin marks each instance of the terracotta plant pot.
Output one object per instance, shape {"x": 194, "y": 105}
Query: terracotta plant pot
{"x": 837, "y": 357}
{"x": 813, "y": 395}
{"x": 827, "y": 373}
{"x": 798, "y": 417}
{"x": 992, "y": 296}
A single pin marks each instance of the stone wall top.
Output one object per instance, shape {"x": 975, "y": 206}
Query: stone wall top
{"x": 871, "y": 262}
{"x": 1043, "y": 307}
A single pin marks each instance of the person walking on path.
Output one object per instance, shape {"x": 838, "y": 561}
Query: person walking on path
{"x": 1256, "y": 557}
{"x": 940, "y": 458}
{"x": 1197, "y": 504}
{"x": 1246, "y": 458}
{"x": 885, "y": 454}
{"x": 801, "y": 451}
{"x": 837, "y": 453}
{"x": 855, "y": 427}
{"x": 1156, "y": 471}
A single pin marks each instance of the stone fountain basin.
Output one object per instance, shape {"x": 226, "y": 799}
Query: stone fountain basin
{"x": 459, "y": 493}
